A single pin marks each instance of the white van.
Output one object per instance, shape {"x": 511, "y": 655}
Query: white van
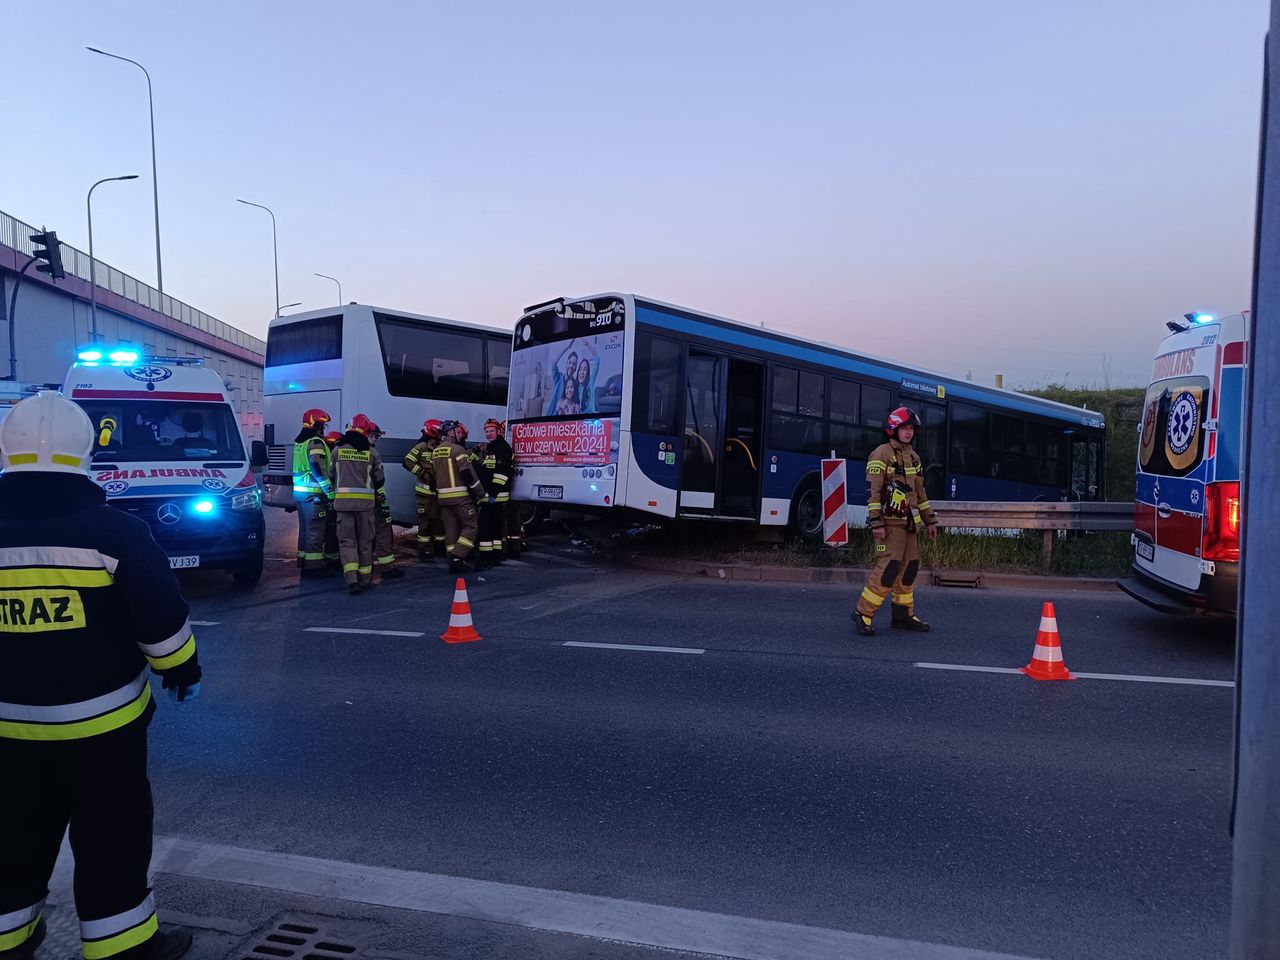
{"x": 1187, "y": 507}
{"x": 170, "y": 451}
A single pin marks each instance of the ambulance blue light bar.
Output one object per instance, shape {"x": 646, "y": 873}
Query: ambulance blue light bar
{"x": 1203, "y": 318}
{"x": 125, "y": 358}
{"x": 89, "y": 356}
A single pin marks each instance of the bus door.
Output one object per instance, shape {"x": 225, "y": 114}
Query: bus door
{"x": 743, "y": 444}
{"x": 1085, "y": 469}
{"x": 703, "y": 440}
{"x": 723, "y": 427}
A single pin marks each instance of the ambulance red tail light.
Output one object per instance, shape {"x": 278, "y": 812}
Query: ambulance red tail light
{"x": 1221, "y": 521}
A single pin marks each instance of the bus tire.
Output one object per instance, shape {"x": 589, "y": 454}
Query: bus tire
{"x": 250, "y": 572}
{"x": 806, "y": 512}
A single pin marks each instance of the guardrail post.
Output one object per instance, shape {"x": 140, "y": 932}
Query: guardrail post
{"x": 1046, "y": 550}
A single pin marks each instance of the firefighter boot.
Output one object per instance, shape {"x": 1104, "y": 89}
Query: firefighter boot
{"x": 28, "y": 949}
{"x": 863, "y": 623}
{"x": 904, "y": 619}
{"x": 169, "y": 944}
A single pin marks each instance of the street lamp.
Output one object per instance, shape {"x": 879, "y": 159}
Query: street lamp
{"x": 275, "y": 254}
{"x": 287, "y": 306}
{"x": 93, "y": 272}
{"x": 335, "y": 280}
{"x": 155, "y": 185}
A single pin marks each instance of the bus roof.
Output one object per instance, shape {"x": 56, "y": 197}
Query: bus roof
{"x": 389, "y": 311}
{"x": 834, "y": 355}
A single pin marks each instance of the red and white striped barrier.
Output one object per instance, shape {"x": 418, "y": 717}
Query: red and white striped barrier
{"x": 835, "y": 521}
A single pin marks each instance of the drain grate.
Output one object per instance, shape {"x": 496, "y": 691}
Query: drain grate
{"x": 294, "y": 940}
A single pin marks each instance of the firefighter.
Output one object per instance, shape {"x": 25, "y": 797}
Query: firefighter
{"x": 356, "y": 475}
{"x": 384, "y": 534}
{"x": 896, "y": 506}
{"x": 87, "y": 604}
{"x": 312, "y": 491}
{"x": 331, "y": 559}
{"x": 458, "y": 490}
{"x": 417, "y": 461}
{"x": 493, "y": 465}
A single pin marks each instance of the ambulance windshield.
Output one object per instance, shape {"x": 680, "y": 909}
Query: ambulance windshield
{"x": 132, "y": 431}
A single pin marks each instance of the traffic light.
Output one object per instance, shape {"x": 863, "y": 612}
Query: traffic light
{"x": 49, "y": 250}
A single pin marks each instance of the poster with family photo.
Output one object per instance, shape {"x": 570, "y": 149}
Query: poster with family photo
{"x": 581, "y": 377}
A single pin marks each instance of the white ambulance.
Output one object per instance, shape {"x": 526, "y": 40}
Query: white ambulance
{"x": 170, "y": 451}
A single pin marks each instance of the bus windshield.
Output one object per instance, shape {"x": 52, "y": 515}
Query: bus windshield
{"x": 131, "y": 431}
{"x": 567, "y": 362}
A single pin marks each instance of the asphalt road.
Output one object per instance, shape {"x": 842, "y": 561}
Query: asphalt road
{"x": 791, "y": 772}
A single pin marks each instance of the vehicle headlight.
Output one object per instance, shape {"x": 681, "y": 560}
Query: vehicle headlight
{"x": 250, "y": 500}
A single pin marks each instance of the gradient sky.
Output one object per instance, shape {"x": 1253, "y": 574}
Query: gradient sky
{"x": 1016, "y": 186}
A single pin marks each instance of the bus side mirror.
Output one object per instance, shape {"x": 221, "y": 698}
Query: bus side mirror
{"x": 257, "y": 454}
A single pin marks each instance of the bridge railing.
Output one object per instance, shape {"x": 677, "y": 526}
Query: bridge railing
{"x": 1047, "y": 517}
{"x": 16, "y": 234}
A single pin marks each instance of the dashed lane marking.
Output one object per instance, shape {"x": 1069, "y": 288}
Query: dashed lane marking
{"x": 1134, "y": 678}
{"x": 372, "y": 633}
{"x": 630, "y": 646}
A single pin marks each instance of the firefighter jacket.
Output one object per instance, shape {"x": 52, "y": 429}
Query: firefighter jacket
{"x": 452, "y": 476}
{"x": 311, "y": 458}
{"x": 356, "y": 473}
{"x": 895, "y": 487}
{"x": 493, "y": 466}
{"x": 87, "y": 602}
{"x": 418, "y": 462}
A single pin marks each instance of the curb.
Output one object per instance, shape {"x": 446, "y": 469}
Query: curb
{"x": 857, "y": 575}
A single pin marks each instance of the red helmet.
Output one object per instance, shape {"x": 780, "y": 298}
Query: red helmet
{"x": 497, "y": 425}
{"x": 432, "y": 428}
{"x": 362, "y": 424}
{"x": 903, "y": 416}
{"x": 462, "y": 431}
{"x": 314, "y": 417}
{"x": 376, "y": 431}
{"x": 332, "y": 438}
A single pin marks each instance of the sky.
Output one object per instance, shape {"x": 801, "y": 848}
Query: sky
{"x": 996, "y": 186}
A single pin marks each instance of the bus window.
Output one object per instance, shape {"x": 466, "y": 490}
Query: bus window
{"x": 932, "y": 447}
{"x": 499, "y": 374}
{"x": 845, "y": 431}
{"x": 431, "y": 363}
{"x": 1172, "y": 441}
{"x": 796, "y": 420}
{"x": 875, "y": 411}
{"x": 969, "y": 452}
{"x": 305, "y": 341}
{"x": 657, "y": 374}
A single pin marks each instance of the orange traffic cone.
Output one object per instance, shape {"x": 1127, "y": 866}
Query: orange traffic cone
{"x": 1046, "y": 662}
{"x": 461, "y": 629}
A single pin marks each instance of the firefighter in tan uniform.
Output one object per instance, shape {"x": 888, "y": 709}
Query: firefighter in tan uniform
{"x": 418, "y": 462}
{"x": 356, "y": 475}
{"x": 458, "y": 490}
{"x": 896, "y": 506}
{"x": 384, "y": 533}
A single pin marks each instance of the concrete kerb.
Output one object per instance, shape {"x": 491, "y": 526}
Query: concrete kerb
{"x": 854, "y": 575}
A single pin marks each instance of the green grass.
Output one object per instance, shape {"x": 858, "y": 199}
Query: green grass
{"x": 1090, "y": 555}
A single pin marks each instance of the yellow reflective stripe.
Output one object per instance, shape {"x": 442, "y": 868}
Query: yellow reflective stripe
{"x": 872, "y": 597}
{"x": 348, "y": 495}
{"x": 873, "y": 505}
{"x": 912, "y": 471}
{"x": 16, "y": 938}
{"x": 16, "y": 458}
{"x": 903, "y": 598}
{"x": 54, "y": 577}
{"x": 65, "y": 460}
{"x": 876, "y": 463}
{"x": 455, "y": 496}
{"x": 364, "y": 570}
{"x": 424, "y": 491}
{"x": 926, "y": 505}
{"x": 182, "y": 654}
{"x": 110, "y": 946}
{"x": 113, "y": 720}
{"x": 383, "y": 561}
{"x": 350, "y": 567}
{"x": 465, "y": 542}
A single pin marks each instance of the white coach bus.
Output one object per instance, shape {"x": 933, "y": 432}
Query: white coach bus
{"x": 397, "y": 368}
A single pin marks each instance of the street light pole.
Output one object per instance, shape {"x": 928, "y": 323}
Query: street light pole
{"x": 275, "y": 253}
{"x": 155, "y": 184}
{"x": 93, "y": 271}
{"x": 335, "y": 280}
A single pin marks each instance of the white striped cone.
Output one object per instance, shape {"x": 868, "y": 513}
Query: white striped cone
{"x": 1046, "y": 660}
{"x": 461, "y": 629}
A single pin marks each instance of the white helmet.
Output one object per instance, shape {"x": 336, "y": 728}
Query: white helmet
{"x": 46, "y": 433}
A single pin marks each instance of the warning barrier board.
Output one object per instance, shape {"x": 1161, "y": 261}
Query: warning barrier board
{"x": 835, "y": 521}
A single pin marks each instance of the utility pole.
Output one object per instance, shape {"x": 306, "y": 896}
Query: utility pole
{"x": 1255, "y": 867}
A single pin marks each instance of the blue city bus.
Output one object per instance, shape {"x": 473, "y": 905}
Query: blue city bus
{"x": 621, "y": 402}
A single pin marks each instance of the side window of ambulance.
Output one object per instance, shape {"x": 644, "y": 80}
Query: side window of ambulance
{"x": 1173, "y": 436}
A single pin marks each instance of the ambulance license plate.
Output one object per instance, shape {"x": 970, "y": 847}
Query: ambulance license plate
{"x": 1146, "y": 551}
{"x": 550, "y": 493}
{"x": 183, "y": 563}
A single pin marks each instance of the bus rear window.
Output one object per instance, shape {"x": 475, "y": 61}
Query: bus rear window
{"x": 1172, "y": 440}
{"x": 305, "y": 341}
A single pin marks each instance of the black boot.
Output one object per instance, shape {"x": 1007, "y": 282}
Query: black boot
{"x": 863, "y": 624}
{"x": 354, "y": 589}
{"x": 27, "y": 950}
{"x": 904, "y": 619}
{"x": 169, "y": 944}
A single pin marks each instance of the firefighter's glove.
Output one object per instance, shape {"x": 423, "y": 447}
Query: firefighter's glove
{"x": 183, "y": 681}
{"x": 185, "y": 694}
{"x": 897, "y": 501}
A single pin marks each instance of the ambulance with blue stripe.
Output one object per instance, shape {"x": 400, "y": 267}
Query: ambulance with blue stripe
{"x": 1186, "y": 541}
{"x": 170, "y": 451}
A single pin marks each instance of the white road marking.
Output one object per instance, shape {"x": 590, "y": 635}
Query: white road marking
{"x": 557, "y": 911}
{"x": 1135, "y": 678}
{"x": 631, "y": 646}
{"x": 204, "y": 623}
{"x": 372, "y": 633}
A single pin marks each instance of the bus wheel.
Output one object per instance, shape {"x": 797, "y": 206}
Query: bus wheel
{"x": 806, "y": 513}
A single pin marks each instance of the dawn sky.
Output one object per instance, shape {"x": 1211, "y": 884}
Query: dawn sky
{"x": 1017, "y": 187}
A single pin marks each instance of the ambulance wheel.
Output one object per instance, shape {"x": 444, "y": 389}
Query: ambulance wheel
{"x": 806, "y": 513}
{"x": 249, "y": 572}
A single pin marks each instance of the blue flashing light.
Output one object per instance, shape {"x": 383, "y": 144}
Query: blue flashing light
{"x": 294, "y": 386}
{"x": 89, "y": 356}
{"x": 125, "y": 357}
{"x": 203, "y": 506}
{"x": 1203, "y": 318}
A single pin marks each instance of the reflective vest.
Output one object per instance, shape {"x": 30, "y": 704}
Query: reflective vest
{"x": 357, "y": 475}
{"x": 455, "y": 479}
{"x": 305, "y": 484}
{"x": 418, "y": 462}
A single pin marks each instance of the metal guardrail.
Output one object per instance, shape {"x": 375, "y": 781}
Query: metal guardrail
{"x": 16, "y": 234}
{"x": 1047, "y": 517}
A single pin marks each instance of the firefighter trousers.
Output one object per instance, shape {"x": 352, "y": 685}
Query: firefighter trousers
{"x": 331, "y": 555}
{"x": 514, "y": 529}
{"x": 355, "y": 545}
{"x": 897, "y": 563}
{"x": 430, "y": 530}
{"x": 312, "y": 517}
{"x": 460, "y": 527}
{"x": 492, "y": 529}
{"x": 384, "y": 542}
{"x": 97, "y": 785}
